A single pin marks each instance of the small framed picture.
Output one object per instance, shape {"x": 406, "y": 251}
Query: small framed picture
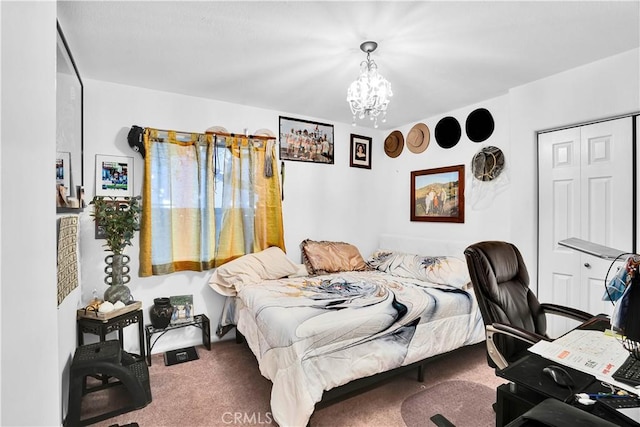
{"x": 63, "y": 171}
{"x": 360, "y": 152}
{"x": 306, "y": 141}
{"x": 114, "y": 176}
{"x": 438, "y": 194}
{"x": 182, "y": 309}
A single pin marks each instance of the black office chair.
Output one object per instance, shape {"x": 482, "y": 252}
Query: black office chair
{"x": 514, "y": 319}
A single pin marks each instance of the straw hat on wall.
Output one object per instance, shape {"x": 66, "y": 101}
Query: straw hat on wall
{"x": 394, "y": 143}
{"x": 418, "y": 138}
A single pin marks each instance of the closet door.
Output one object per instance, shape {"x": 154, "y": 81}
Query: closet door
{"x": 585, "y": 190}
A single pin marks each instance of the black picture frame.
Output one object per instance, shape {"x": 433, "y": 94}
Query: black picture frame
{"x": 306, "y": 141}
{"x": 437, "y": 195}
{"x": 360, "y": 151}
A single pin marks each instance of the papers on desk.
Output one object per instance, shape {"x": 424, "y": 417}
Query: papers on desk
{"x": 593, "y": 352}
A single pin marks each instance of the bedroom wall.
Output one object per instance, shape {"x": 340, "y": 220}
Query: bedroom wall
{"x": 318, "y": 198}
{"x": 486, "y": 204}
{"x": 29, "y": 354}
{"x": 27, "y": 216}
{"x": 595, "y": 91}
{"x": 598, "y": 90}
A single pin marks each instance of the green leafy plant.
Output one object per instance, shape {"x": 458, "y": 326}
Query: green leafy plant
{"x": 119, "y": 219}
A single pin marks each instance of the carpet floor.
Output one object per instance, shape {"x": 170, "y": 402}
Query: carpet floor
{"x": 224, "y": 387}
{"x": 451, "y": 399}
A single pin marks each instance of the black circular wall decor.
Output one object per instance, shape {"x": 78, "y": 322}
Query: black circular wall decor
{"x": 448, "y": 132}
{"x": 479, "y": 125}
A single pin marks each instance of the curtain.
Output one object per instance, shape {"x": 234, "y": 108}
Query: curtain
{"x": 206, "y": 200}
{"x": 251, "y": 203}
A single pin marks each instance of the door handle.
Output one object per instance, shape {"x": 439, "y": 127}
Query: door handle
{"x": 586, "y": 264}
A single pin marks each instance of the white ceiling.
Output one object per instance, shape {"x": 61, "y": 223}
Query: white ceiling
{"x": 299, "y": 57}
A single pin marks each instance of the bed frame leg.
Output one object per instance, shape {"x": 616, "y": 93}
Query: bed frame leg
{"x": 421, "y": 369}
{"x": 239, "y": 337}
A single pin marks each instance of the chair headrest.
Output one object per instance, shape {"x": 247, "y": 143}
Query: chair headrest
{"x": 504, "y": 258}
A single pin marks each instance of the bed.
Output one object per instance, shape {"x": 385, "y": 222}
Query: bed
{"x": 337, "y": 318}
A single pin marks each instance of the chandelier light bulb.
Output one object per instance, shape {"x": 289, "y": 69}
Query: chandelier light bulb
{"x": 369, "y": 94}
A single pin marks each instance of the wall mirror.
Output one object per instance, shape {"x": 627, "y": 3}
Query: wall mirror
{"x": 69, "y": 144}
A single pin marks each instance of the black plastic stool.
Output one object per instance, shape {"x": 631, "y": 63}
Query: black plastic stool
{"x": 106, "y": 360}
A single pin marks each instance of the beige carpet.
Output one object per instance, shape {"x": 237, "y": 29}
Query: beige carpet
{"x": 224, "y": 387}
{"x": 452, "y": 399}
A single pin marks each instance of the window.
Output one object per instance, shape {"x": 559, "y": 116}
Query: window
{"x": 207, "y": 199}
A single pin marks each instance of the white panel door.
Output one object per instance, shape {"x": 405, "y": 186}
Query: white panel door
{"x": 559, "y": 191}
{"x": 585, "y": 190}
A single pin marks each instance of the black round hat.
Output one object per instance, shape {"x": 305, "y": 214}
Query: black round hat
{"x": 448, "y": 132}
{"x": 479, "y": 125}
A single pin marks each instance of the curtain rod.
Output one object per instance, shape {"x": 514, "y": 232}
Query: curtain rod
{"x": 218, "y": 134}
{"x": 240, "y": 135}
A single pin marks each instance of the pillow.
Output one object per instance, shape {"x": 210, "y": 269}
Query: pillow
{"x": 323, "y": 257}
{"x": 271, "y": 263}
{"x": 305, "y": 259}
{"x": 443, "y": 270}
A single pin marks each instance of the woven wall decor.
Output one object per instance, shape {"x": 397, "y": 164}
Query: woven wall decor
{"x": 67, "y": 256}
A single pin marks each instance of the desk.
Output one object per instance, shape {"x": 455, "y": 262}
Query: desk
{"x": 529, "y": 387}
{"x": 556, "y": 413}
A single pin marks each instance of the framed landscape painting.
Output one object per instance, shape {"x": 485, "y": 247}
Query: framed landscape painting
{"x": 437, "y": 195}
{"x": 306, "y": 141}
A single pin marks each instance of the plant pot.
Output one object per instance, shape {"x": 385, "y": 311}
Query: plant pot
{"x": 160, "y": 313}
{"x": 115, "y": 293}
{"x": 117, "y": 276}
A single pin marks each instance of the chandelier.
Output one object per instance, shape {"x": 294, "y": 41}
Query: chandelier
{"x": 369, "y": 94}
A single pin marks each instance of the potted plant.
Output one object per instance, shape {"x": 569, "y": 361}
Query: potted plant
{"x": 117, "y": 219}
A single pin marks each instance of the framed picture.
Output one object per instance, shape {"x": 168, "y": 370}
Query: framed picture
{"x": 306, "y": 141}
{"x": 63, "y": 172}
{"x": 182, "y": 309}
{"x": 360, "y": 152}
{"x": 100, "y": 232}
{"x": 437, "y": 195}
{"x": 114, "y": 176}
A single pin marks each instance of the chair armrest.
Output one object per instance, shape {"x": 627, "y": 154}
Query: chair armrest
{"x": 572, "y": 313}
{"x": 516, "y": 332}
{"x": 512, "y": 331}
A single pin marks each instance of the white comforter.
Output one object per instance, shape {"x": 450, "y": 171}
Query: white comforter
{"x": 312, "y": 334}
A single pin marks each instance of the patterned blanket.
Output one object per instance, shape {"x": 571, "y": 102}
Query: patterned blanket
{"x": 311, "y": 334}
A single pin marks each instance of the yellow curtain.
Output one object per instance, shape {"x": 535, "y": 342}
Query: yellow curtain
{"x": 269, "y": 228}
{"x": 177, "y": 230}
{"x": 193, "y": 182}
{"x": 251, "y": 203}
